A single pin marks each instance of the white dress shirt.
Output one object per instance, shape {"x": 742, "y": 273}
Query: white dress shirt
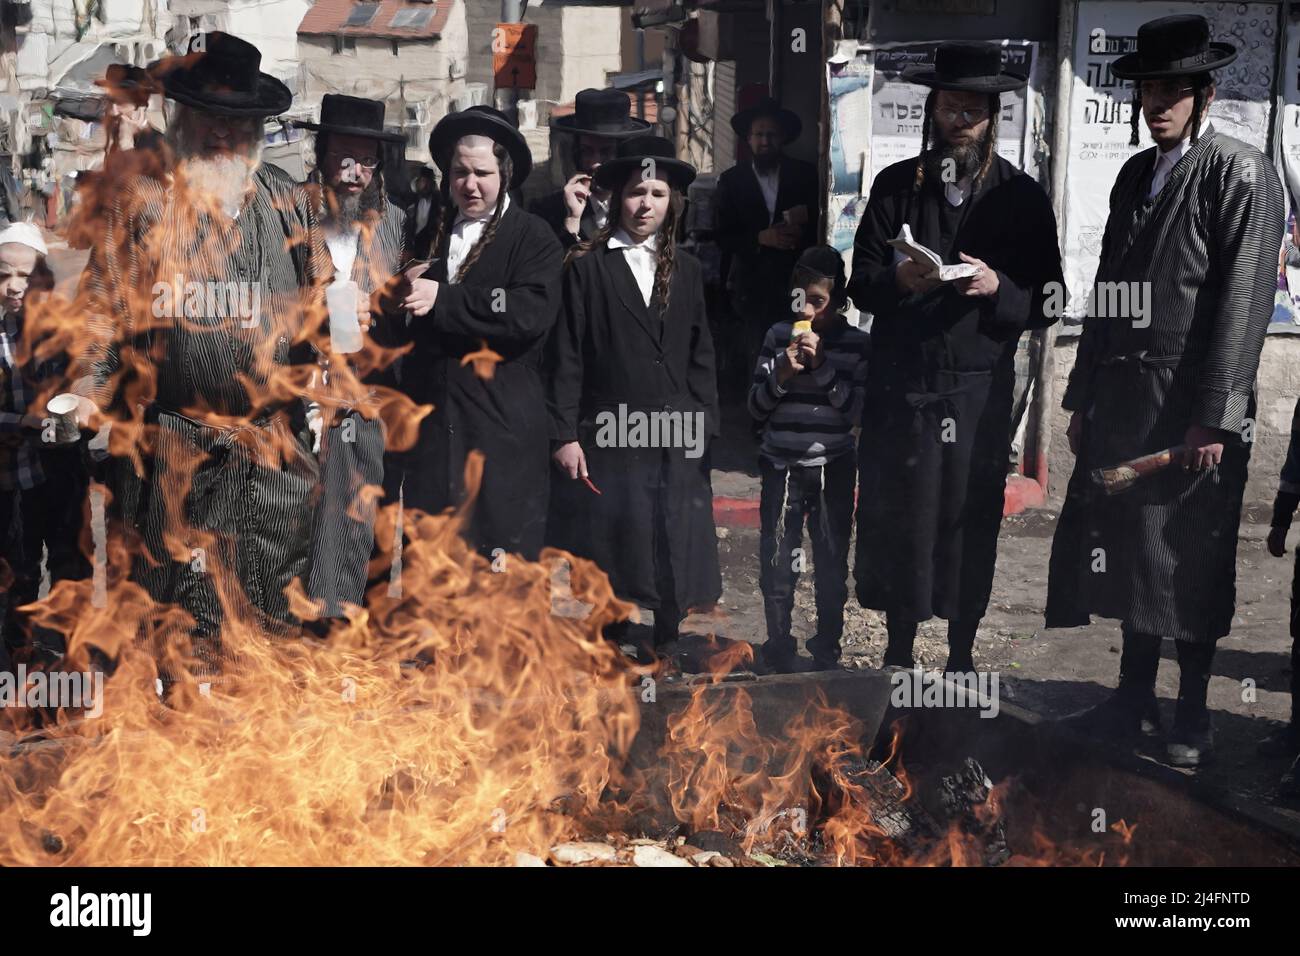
{"x": 957, "y": 192}
{"x": 640, "y": 257}
{"x": 770, "y": 183}
{"x": 1165, "y": 162}
{"x": 464, "y": 234}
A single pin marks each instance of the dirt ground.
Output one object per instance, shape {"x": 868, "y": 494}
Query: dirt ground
{"x": 1054, "y": 672}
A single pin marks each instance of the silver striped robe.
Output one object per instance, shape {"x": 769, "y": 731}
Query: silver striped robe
{"x": 219, "y": 483}
{"x": 1161, "y": 556}
{"x": 353, "y": 462}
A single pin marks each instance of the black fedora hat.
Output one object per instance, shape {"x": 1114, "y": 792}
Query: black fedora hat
{"x": 222, "y": 74}
{"x": 788, "y": 119}
{"x": 352, "y": 116}
{"x": 1173, "y": 46}
{"x": 601, "y": 113}
{"x": 481, "y": 121}
{"x": 632, "y": 156}
{"x": 127, "y": 84}
{"x": 966, "y": 68}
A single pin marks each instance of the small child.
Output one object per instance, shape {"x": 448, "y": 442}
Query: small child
{"x": 1286, "y": 742}
{"x": 807, "y": 394}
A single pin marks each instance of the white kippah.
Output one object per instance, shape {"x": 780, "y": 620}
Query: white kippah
{"x": 26, "y": 233}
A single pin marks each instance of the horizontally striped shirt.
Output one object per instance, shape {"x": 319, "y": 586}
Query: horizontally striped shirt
{"x": 810, "y": 420}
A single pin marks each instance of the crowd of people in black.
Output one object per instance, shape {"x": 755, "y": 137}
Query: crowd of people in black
{"x": 569, "y": 346}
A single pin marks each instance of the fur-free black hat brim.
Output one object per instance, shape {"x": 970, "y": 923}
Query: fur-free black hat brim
{"x": 472, "y": 122}
{"x": 269, "y": 98}
{"x": 676, "y": 172}
{"x": 1001, "y": 83}
{"x": 1132, "y": 66}
{"x": 351, "y": 131}
{"x": 788, "y": 120}
{"x": 568, "y": 124}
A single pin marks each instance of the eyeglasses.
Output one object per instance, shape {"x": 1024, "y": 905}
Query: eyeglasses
{"x": 368, "y": 163}
{"x": 1164, "y": 89}
{"x": 967, "y": 116}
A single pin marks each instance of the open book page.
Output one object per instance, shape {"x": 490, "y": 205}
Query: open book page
{"x": 932, "y": 266}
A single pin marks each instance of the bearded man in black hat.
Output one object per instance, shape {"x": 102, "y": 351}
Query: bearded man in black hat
{"x": 765, "y": 216}
{"x": 202, "y": 291}
{"x": 600, "y": 120}
{"x": 364, "y": 233}
{"x": 935, "y": 426}
{"x": 1197, "y": 220}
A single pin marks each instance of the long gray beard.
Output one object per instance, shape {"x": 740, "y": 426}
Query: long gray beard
{"x": 965, "y": 160}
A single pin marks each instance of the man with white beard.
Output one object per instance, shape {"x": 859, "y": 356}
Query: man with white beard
{"x": 204, "y": 295}
{"x": 364, "y": 233}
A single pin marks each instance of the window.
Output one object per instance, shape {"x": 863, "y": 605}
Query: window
{"x": 344, "y": 44}
{"x": 395, "y": 46}
{"x": 412, "y": 19}
{"x": 361, "y": 14}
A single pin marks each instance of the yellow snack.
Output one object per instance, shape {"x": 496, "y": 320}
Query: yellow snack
{"x": 800, "y": 327}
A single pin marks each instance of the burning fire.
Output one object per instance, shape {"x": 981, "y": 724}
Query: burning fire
{"x": 458, "y": 720}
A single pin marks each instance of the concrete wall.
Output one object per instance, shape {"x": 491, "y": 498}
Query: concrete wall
{"x": 270, "y": 25}
{"x": 431, "y": 73}
{"x": 576, "y": 45}
{"x": 590, "y": 48}
{"x": 1278, "y": 386}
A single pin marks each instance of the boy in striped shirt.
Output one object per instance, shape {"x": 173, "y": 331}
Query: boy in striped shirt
{"x": 807, "y": 394}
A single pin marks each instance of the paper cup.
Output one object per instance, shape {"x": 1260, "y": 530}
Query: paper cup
{"x": 345, "y": 330}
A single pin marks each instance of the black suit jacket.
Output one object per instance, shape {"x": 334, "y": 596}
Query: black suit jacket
{"x": 758, "y": 274}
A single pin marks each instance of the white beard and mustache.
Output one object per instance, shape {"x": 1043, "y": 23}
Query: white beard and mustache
{"x": 222, "y": 180}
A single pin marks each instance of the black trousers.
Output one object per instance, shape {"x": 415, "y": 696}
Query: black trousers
{"x": 49, "y": 516}
{"x": 823, "y": 496}
{"x": 1137, "y": 675}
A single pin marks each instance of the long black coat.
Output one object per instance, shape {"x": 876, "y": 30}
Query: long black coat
{"x": 507, "y": 303}
{"x": 759, "y": 276}
{"x": 935, "y": 438}
{"x": 1162, "y": 556}
{"x": 610, "y": 349}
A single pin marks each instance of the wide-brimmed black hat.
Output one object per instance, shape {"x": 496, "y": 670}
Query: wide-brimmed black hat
{"x": 1173, "y": 46}
{"x": 966, "y": 68}
{"x": 601, "y": 113}
{"x": 127, "y": 84}
{"x": 632, "y": 156}
{"x": 352, "y": 116}
{"x": 788, "y": 119}
{"x": 222, "y": 74}
{"x": 481, "y": 121}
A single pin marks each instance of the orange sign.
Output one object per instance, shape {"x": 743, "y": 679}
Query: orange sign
{"x": 514, "y": 56}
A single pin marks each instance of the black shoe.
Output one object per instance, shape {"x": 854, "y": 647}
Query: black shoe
{"x": 1118, "y": 718}
{"x": 1191, "y": 748}
{"x": 1281, "y": 743}
{"x": 771, "y": 661}
{"x": 824, "y": 663}
{"x": 1150, "y": 724}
